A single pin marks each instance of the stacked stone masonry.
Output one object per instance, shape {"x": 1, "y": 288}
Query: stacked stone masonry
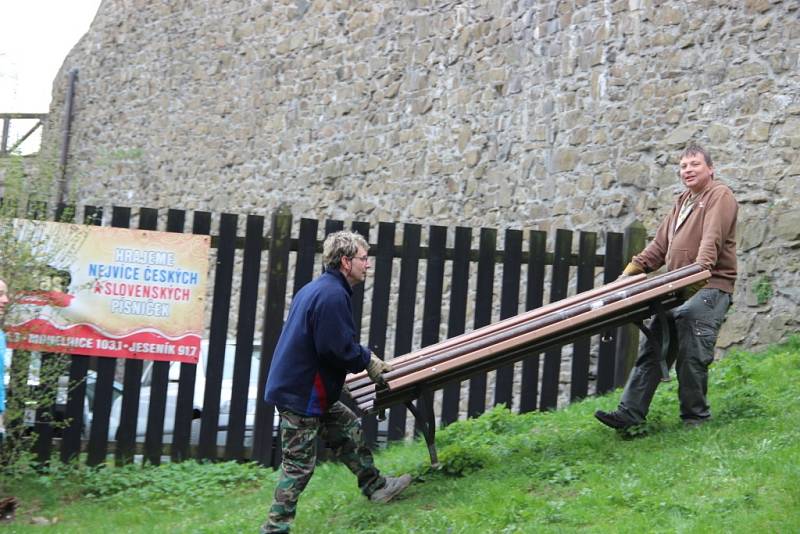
{"x": 525, "y": 114}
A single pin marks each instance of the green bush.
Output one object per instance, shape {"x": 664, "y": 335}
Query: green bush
{"x": 179, "y": 481}
{"x": 480, "y": 431}
{"x": 468, "y": 446}
{"x": 763, "y": 290}
{"x": 458, "y": 460}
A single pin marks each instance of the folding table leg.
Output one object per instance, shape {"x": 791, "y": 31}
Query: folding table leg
{"x": 426, "y": 421}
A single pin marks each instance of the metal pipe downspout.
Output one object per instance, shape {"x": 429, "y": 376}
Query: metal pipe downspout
{"x": 68, "y": 106}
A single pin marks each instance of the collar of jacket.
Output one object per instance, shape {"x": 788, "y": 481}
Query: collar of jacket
{"x": 339, "y": 276}
{"x": 688, "y": 192}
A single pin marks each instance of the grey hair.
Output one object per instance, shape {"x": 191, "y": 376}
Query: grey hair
{"x": 695, "y": 149}
{"x": 339, "y": 245}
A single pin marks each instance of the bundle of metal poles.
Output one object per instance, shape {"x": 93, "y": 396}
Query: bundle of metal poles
{"x": 627, "y": 300}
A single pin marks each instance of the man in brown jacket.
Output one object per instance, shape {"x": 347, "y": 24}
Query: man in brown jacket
{"x": 701, "y": 228}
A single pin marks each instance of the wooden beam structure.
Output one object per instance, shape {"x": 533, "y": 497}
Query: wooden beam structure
{"x": 417, "y": 374}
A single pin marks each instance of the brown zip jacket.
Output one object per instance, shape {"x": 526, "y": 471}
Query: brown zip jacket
{"x": 707, "y": 236}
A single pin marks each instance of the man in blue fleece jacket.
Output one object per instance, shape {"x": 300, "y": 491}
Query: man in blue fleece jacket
{"x": 316, "y": 350}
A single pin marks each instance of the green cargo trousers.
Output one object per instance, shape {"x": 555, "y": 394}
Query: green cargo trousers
{"x": 340, "y": 429}
{"x": 693, "y": 329}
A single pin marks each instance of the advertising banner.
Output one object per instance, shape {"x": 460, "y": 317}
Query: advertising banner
{"x": 112, "y": 292}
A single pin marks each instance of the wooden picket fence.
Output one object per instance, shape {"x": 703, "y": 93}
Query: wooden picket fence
{"x": 447, "y": 274}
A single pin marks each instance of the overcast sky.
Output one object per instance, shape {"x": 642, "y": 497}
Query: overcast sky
{"x": 35, "y": 37}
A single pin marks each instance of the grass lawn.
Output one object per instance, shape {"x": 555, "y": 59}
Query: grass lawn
{"x": 542, "y": 472}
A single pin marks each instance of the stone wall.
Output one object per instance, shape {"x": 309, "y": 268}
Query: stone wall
{"x": 526, "y": 114}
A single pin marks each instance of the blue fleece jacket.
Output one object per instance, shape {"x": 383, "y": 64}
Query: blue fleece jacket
{"x": 316, "y": 349}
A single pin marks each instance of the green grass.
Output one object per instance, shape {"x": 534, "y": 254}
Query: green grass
{"x": 544, "y": 472}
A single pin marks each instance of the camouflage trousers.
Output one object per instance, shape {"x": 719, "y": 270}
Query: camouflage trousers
{"x": 340, "y": 429}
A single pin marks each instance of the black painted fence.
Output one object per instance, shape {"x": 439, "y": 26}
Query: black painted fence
{"x": 459, "y": 282}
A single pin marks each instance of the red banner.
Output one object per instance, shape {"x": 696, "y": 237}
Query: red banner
{"x": 85, "y": 339}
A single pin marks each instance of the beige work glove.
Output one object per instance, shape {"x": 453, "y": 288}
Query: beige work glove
{"x": 375, "y": 369}
{"x": 630, "y": 270}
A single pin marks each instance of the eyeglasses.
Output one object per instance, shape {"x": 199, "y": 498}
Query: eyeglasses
{"x": 364, "y": 258}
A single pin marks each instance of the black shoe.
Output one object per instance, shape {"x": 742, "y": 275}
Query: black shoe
{"x": 613, "y": 420}
{"x": 693, "y": 422}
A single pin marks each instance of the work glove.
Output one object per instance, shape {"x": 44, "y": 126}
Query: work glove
{"x": 630, "y": 270}
{"x": 375, "y": 369}
{"x": 688, "y": 292}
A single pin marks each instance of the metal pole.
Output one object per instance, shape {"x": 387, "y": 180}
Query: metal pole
{"x": 628, "y": 336}
{"x": 68, "y": 105}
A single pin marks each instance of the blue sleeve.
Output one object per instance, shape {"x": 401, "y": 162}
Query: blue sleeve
{"x": 335, "y": 334}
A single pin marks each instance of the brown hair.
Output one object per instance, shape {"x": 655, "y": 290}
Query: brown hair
{"x": 694, "y": 149}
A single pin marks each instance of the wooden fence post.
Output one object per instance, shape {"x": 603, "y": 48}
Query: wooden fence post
{"x": 184, "y": 406}
{"x": 457, "y": 315}
{"x": 509, "y": 306}
{"x": 379, "y": 318}
{"x": 432, "y": 311}
{"x": 537, "y": 259}
{"x": 104, "y": 384}
{"x": 559, "y": 287}
{"x": 607, "y": 352}
{"x": 628, "y": 338}
{"x": 275, "y": 302}
{"x": 587, "y": 261}
{"x": 484, "y": 294}
{"x": 159, "y": 378}
{"x": 79, "y": 365}
{"x": 245, "y": 329}
{"x": 132, "y": 380}
{"x": 218, "y": 335}
{"x": 406, "y": 304}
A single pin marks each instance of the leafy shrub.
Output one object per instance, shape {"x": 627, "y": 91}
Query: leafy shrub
{"x": 763, "y": 290}
{"x": 181, "y": 481}
{"x": 743, "y": 402}
{"x": 734, "y": 371}
{"x": 459, "y": 460}
{"x": 467, "y": 446}
{"x": 480, "y": 431}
